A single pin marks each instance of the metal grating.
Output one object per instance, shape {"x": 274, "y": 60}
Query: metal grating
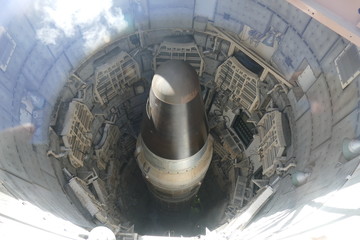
{"x": 243, "y": 128}
{"x": 220, "y": 150}
{"x": 75, "y": 133}
{"x": 230, "y": 145}
{"x": 272, "y": 141}
{"x": 188, "y": 52}
{"x": 115, "y": 78}
{"x": 105, "y": 149}
{"x": 233, "y": 77}
{"x": 100, "y": 189}
{"x": 239, "y": 192}
{"x": 87, "y": 199}
{"x": 348, "y": 65}
{"x": 7, "y": 48}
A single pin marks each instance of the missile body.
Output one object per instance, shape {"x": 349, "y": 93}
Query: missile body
{"x": 174, "y": 148}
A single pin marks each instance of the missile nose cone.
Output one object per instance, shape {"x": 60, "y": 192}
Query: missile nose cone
{"x": 175, "y": 82}
{"x": 176, "y": 126}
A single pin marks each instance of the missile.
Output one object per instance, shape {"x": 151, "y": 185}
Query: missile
{"x": 174, "y": 148}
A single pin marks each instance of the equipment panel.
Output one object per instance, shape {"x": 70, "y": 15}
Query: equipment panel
{"x": 104, "y": 150}
{"x": 272, "y": 141}
{"x": 188, "y": 52}
{"x": 115, "y": 78}
{"x": 76, "y": 132}
{"x": 241, "y": 83}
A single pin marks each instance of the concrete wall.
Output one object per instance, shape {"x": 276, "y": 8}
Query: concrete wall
{"x": 28, "y": 91}
{"x": 37, "y": 71}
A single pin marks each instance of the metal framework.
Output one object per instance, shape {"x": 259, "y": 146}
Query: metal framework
{"x": 75, "y": 133}
{"x": 233, "y": 77}
{"x": 104, "y": 151}
{"x": 189, "y": 52}
{"x": 236, "y": 44}
{"x": 272, "y": 142}
{"x": 115, "y": 78}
